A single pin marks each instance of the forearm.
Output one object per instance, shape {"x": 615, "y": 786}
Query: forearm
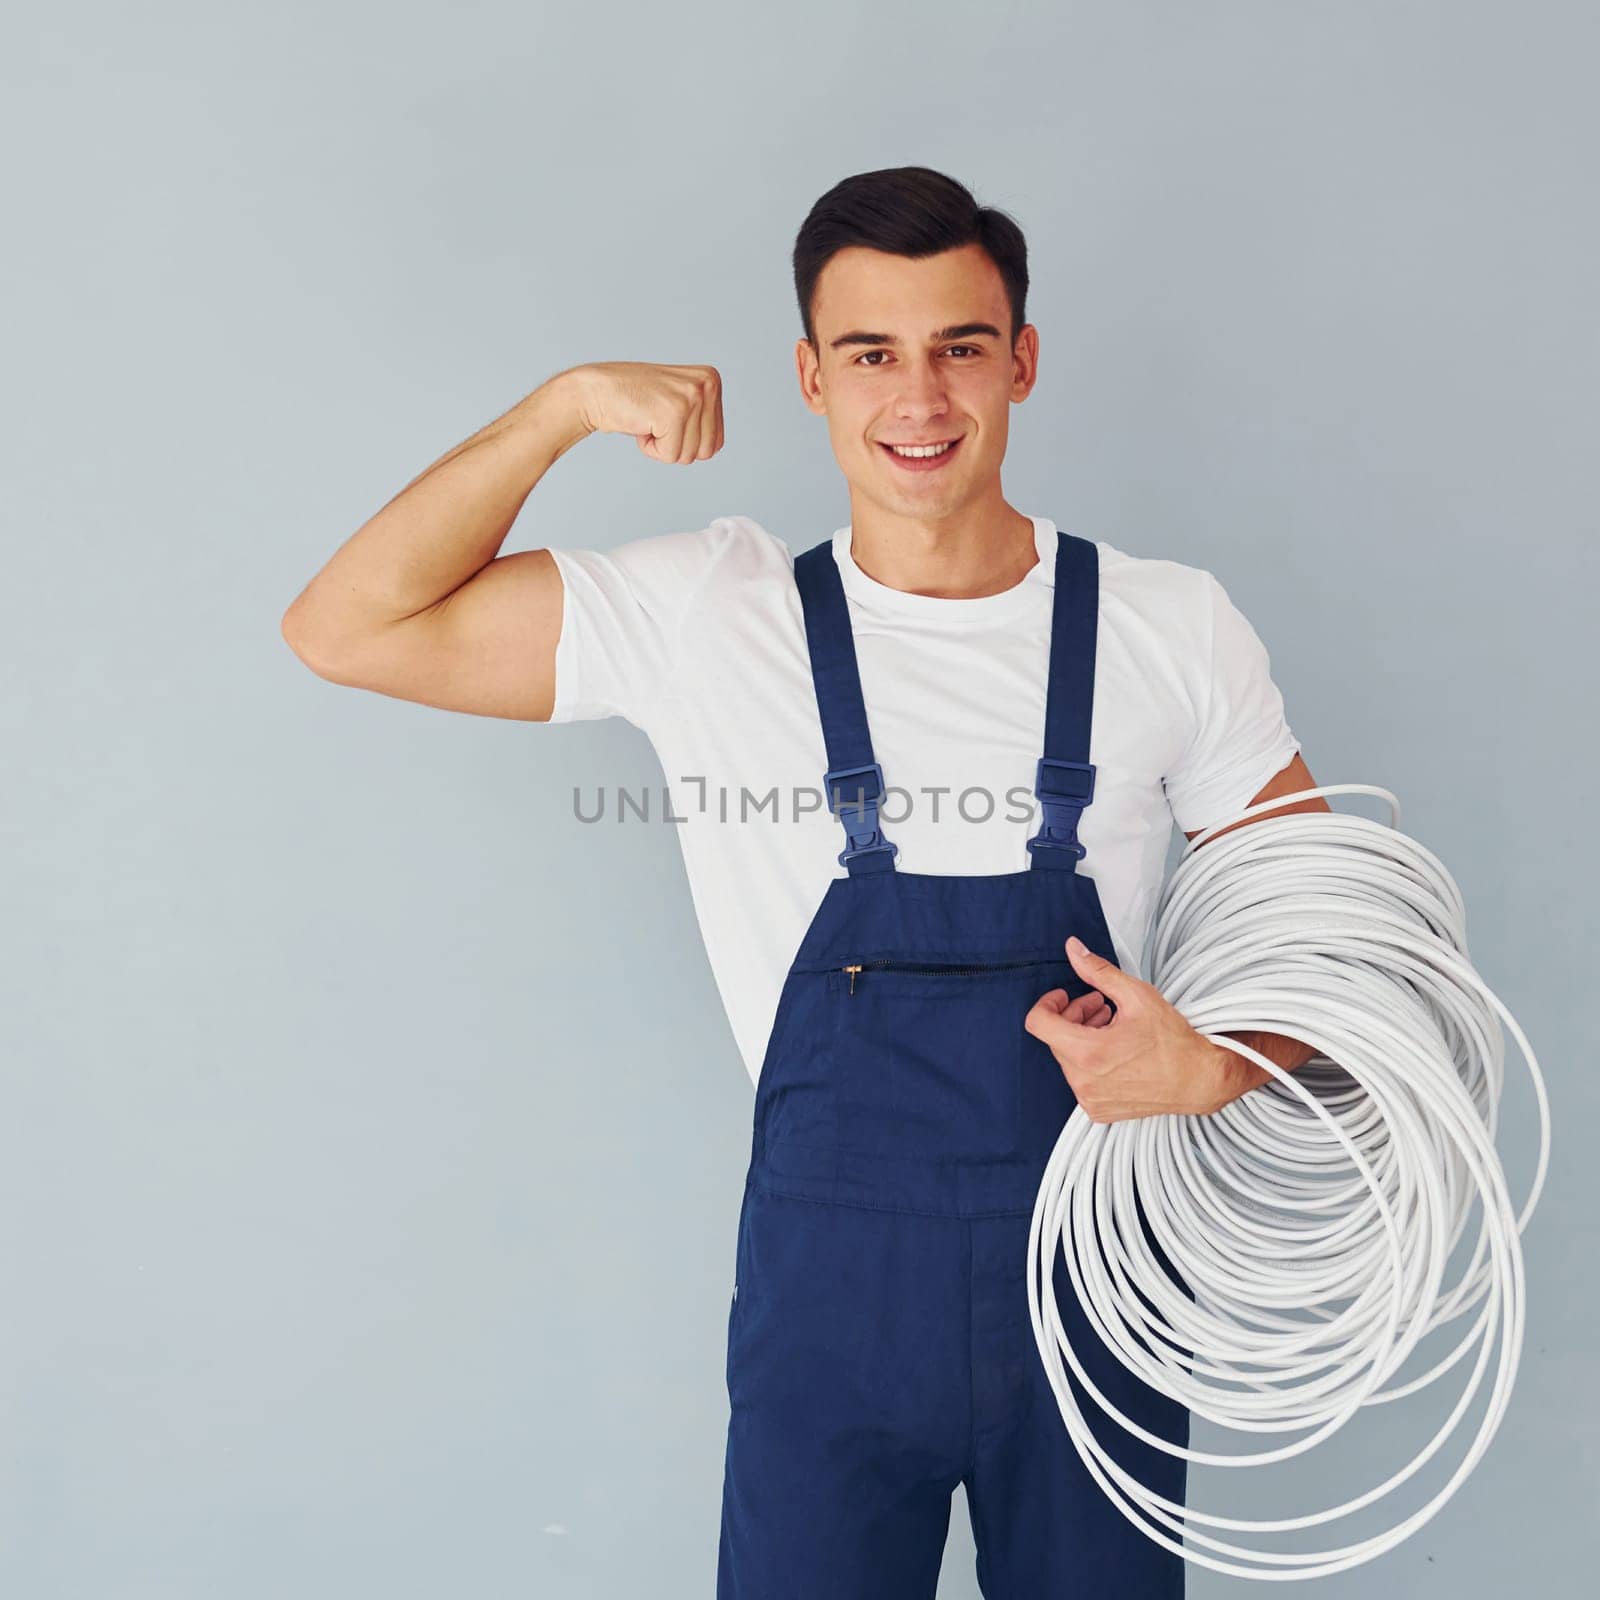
{"x": 1241, "y": 1075}
{"x": 444, "y": 526}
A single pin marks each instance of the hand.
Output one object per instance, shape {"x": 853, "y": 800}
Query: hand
{"x": 673, "y": 413}
{"x": 1144, "y": 1061}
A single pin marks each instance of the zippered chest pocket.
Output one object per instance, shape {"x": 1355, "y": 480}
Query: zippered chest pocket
{"x": 926, "y": 1057}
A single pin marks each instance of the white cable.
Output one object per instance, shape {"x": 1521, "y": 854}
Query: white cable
{"x": 1314, "y": 1217}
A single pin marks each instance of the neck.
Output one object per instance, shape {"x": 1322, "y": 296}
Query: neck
{"x": 962, "y": 559}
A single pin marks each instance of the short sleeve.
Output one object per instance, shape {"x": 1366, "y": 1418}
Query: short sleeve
{"x": 1241, "y": 737}
{"x": 622, "y": 614}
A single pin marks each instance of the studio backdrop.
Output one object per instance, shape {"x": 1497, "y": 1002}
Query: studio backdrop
{"x": 371, "y": 1132}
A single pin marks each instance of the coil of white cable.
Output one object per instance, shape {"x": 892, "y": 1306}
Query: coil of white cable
{"x": 1315, "y": 1217}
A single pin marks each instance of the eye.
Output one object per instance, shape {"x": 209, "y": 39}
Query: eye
{"x": 862, "y": 358}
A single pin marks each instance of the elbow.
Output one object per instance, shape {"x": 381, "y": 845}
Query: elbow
{"x": 313, "y": 649}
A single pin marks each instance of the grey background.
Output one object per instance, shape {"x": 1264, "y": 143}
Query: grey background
{"x": 371, "y": 1136}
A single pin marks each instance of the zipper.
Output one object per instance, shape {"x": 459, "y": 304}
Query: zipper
{"x": 939, "y": 969}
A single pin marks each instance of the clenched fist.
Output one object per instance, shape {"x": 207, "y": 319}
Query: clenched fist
{"x": 674, "y": 413}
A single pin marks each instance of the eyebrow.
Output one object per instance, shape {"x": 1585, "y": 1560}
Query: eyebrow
{"x": 959, "y": 330}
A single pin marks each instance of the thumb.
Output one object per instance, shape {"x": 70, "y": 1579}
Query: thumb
{"x": 1118, "y": 986}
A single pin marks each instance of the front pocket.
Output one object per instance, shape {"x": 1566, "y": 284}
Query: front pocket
{"x": 930, "y": 969}
{"x": 926, "y": 1056}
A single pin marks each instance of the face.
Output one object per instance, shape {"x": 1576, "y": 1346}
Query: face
{"x": 917, "y": 352}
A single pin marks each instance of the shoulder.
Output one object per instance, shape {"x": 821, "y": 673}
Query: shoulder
{"x": 744, "y": 549}
{"x": 731, "y": 565}
{"x": 1177, "y": 614}
{"x": 1173, "y": 600}
{"x": 1181, "y": 617}
{"x": 732, "y": 548}
{"x": 676, "y": 568}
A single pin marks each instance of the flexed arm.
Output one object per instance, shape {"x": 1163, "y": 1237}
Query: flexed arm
{"x": 418, "y": 603}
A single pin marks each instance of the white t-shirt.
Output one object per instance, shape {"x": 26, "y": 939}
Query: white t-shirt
{"x": 697, "y": 639}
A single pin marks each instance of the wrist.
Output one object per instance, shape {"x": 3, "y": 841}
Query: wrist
{"x": 1230, "y": 1074}
{"x": 558, "y": 411}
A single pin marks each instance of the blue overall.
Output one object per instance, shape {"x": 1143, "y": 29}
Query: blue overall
{"x": 880, "y": 1349}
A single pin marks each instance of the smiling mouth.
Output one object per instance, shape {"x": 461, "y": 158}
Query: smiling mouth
{"x": 921, "y": 452}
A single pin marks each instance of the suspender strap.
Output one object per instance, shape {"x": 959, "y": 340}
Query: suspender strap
{"x": 1064, "y": 780}
{"x": 854, "y": 780}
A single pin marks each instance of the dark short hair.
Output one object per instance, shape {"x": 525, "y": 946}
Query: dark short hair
{"x": 907, "y": 211}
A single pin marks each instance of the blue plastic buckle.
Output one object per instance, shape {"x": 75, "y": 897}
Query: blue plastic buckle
{"x": 1062, "y": 802}
{"x": 861, "y": 826}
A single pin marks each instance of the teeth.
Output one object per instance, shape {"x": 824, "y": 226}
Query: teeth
{"x": 921, "y": 449}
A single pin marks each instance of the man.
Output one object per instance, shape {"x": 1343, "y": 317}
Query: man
{"x": 921, "y": 1009}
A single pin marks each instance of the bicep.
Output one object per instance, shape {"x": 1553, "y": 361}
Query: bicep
{"x": 488, "y": 647}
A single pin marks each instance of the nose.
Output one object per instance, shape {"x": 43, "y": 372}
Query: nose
{"x": 921, "y": 393}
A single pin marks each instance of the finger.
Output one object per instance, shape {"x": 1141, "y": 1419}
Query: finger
{"x": 1055, "y": 1028}
{"x": 1055, "y": 1000}
{"x": 691, "y": 434}
{"x": 654, "y": 445}
{"x": 1119, "y": 986}
{"x": 1092, "y": 1009}
{"x": 669, "y": 440}
{"x": 1085, "y": 1008}
{"x": 711, "y": 428}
